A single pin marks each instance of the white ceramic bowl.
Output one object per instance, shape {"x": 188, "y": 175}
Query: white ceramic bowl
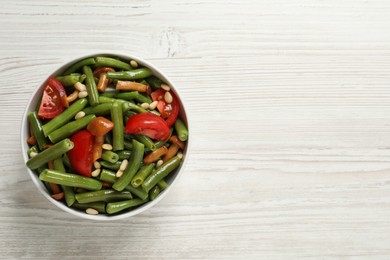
{"x": 171, "y": 179}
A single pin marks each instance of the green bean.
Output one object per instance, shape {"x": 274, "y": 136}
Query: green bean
{"x": 146, "y": 141}
{"x": 64, "y": 117}
{"x": 108, "y": 94}
{"x": 130, "y": 106}
{"x": 154, "y": 82}
{"x": 162, "y": 184}
{"x": 104, "y": 99}
{"x": 118, "y": 130}
{"x": 109, "y": 176}
{"x": 141, "y": 175}
{"x": 134, "y": 95}
{"x": 99, "y": 206}
{"x": 127, "y": 95}
{"x": 134, "y": 163}
{"x": 69, "y": 179}
{"x": 78, "y": 65}
{"x": 70, "y": 128}
{"x": 114, "y": 207}
{"x": 50, "y": 154}
{"x": 103, "y": 195}
{"x": 68, "y": 191}
{"x": 181, "y": 130}
{"x": 70, "y": 80}
{"x": 125, "y": 154}
{"x": 65, "y": 160}
{"x": 99, "y": 110}
{"x": 128, "y": 145}
{"x": 110, "y": 156}
{"x": 110, "y": 62}
{"x": 36, "y": 127}
{"x": 154, "y": 192}
{"x": 112, "y": 166}
{"x": 130, "y": 75}
{"x": 160, "y": 173}
{"x": 93, "y": 95}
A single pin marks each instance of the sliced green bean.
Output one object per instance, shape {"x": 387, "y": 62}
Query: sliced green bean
{"x": 99, "y": 110}
{"x": 103, "y": 195}
{"x": 70, "y": 80}
{"x": 162, "y": 184}
{"x": 36, "y": 127}
{"x": 109, "y": 176}
{"x": 154, "y": 82}
{"x": 134, "y": 95}
{"x": 134, "y": 163}
{"x": 49, "y": 154}
{"x": 130, "y": 75}
{"x": 160, "y": 173}
{"x": 78, "y": 65}
{"x": 64, "y": 117}
{"x": 111, "y": 166}
{"x": 146, "y": 141}
{"x": 118, "y": 130}
{"x": 99, "y": 206}
{"x": 153, "y": 193}
{"x": 125, "y": 154}
{"x": 114, "y": 207}
{"x": 141, "y": 175}
{"x": 93, "y": 95}
{"x": 68, "y": 191}
{"x": 69, "y": 179}
{"x": 104, "y": 99}
{"x": 128, "y": 145}
{"x": 110, "y": 156}
{"x": 181, "y": 130}
{"x": 70, "y": 128}
{"x": 108, "y": 94}
{"x": 110, "y": 62}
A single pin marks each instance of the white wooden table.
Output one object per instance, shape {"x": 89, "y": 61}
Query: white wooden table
{"x": 290, "y": 107}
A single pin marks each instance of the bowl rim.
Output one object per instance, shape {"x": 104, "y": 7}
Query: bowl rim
{"x": 103, "y": 217}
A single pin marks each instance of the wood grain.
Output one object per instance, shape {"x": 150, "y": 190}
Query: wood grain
{"x": 290, "y": 117}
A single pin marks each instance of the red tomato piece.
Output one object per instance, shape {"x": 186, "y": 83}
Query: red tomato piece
{"x": 80, "y": 156}
{"x": 168, "y": 111}
{"x": 148, "y": 124}
{"x": 51, "y": 104}
{"x": 100, "y": 126}
{"x": 57, "y": 85}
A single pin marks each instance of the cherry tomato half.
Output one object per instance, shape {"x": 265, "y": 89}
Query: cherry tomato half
{"x": 57, "y": 85}
{"x": 51, "y": 104}
{"x": 148, "y": 124}
{"x": 80, "y": 156}
{"x": 168, "y": 111}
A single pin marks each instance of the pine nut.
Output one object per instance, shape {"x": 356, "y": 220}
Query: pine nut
{"x": 97, "y": 165}
{"x": 33, "y": 154}
{"x": 80, "y": 86}
{"x": 83, "y": 94}
{"x": 133, "y": 64}
{"x": 180, "y": 155}
{"x": 168, "y": 97}
{"x": 165, "y": 87}
{"x": 123, "y": 165}
{"x": 91, "y": 211}
{"x": 118, "y": 174}
{"x": 145, "y": 105}
{"x": 159, "y": 163}
{"x": 107, "y": 147}
{"x": 153, "y": 105}
{"x": 79, "y": 115}
{"x": 95, "y": 173}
